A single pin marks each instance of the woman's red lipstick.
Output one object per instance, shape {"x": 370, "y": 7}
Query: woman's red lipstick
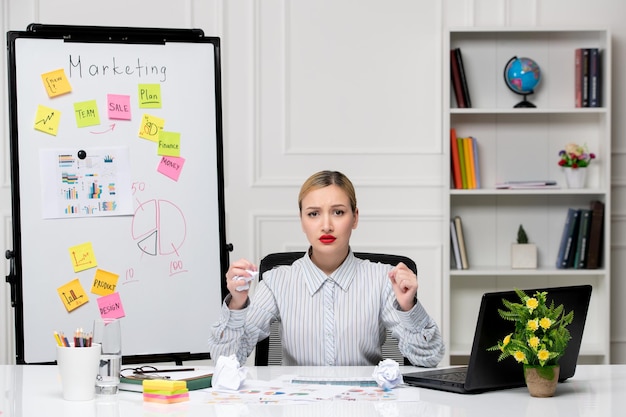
{"x": 327, "y": 239}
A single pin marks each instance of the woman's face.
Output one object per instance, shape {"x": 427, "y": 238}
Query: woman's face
{"x": 327, "y": 219}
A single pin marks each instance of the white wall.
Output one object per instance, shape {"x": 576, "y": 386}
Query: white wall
{"x": 331, "y": 84}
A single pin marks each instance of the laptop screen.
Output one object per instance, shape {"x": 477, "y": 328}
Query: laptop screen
{"x": 484, "y": 370}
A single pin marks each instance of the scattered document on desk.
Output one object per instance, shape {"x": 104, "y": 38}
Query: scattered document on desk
{"x": 281, "y": 392}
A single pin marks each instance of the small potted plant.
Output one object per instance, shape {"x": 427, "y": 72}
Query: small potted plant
{"x": 575, "y": 159}
{"x": 538, "y": 340}
{"x": 523, "y": 254}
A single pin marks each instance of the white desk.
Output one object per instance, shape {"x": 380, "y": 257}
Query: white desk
{"x": 595, "y": 390}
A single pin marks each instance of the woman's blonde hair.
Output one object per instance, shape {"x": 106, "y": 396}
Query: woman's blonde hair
{"x": 324, "y": 179}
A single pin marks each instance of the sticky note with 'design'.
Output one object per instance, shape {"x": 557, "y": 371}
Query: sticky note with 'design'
{"x": 72, "y": 295}
{"x": 111, "y": 307}
{"x": 56, "y": 83}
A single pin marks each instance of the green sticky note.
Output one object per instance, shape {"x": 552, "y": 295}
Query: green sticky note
{"x": 149, "y": 96}
{"x": 169, "y": 143}
{"x": 86, "y": 113}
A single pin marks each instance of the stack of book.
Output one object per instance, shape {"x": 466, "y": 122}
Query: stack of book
{"x": 581, "y": 240}
{"x": 459, "y": 81}
{"x": 464, "y": 163}
{"x": 588, "y": 77}
{"x": 457, "y": 240}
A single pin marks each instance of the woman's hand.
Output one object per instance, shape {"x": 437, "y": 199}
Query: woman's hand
{"x": 239, "y": 268}
{"x": 404, "y": 284}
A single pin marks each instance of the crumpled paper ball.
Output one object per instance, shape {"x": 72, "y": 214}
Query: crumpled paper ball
{"x": 387, "y": 374}
{"x": 228, "y": 375}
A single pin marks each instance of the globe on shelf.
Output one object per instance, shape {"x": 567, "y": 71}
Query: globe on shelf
{"x": 522, "y": 75}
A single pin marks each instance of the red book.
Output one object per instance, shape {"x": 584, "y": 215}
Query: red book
{"x": 456, "y": 164}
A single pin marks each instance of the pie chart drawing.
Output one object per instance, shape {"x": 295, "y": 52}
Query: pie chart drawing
{"x": 159, "y": 227}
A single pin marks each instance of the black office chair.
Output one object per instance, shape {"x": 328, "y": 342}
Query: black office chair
{"x": 269, "y": 350}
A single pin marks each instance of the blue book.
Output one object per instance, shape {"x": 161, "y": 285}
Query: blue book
{"x": 567, "y": 248}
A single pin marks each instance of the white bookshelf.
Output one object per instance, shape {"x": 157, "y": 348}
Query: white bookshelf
{"x": 523, "y": 144}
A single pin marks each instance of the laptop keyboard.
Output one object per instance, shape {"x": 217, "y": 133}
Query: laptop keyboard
{"x": 458, "y": 376}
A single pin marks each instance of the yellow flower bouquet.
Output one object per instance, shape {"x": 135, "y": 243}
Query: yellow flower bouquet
{"x": 540, "y": 335}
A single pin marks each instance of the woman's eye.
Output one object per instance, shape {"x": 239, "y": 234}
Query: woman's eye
{"x": 312, "y": 214}
{"x": 339, "y": 212}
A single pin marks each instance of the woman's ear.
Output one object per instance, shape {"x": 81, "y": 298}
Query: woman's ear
{"x": 355, "y": 222}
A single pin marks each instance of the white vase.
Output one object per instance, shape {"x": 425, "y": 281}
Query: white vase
{"x": 575, "y": 177}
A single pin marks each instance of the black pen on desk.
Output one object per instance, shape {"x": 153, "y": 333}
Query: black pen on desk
{"x": 160, "y": 371}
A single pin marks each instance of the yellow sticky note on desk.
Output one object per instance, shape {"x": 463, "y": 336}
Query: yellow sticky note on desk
{"x": 163, "y": 385}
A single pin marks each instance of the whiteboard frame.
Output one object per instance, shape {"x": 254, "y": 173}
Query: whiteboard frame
{"x": 108, "y": 35}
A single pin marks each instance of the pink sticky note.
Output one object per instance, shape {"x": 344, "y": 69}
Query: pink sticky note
{"x": 118, "y": 106}
{"x": 110, "y": 306}
{"x": 171, "y": 166}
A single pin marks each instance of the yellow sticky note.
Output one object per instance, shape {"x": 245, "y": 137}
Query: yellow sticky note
{"x": 72, "y": 295}
{"x": 82, "y": 257}
{"x": 149, "y": 96}
{"x": 104, "y": 282}
{"x": 86, "y": 113}
{"x": 169, "y": 144}
{"x": 150, "y": 127}
{"x": 47, "y": 120}
{"x": 56, "y": 83}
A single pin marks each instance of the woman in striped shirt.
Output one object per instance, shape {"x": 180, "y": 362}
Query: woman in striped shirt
{"x": 333, "y": 308}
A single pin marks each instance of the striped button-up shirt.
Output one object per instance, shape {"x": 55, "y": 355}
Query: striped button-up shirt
{"x": 328, "y": 320}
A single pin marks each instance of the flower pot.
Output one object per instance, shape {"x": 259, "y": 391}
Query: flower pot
{"x": 523, "y": 256}
{"x": 541, "y": 381}
{"x": 575, "y": 177}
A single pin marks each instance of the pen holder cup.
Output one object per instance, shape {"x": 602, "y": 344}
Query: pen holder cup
{"x": 78, "y": 367}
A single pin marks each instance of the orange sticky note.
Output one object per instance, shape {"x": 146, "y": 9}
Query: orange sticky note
{"x": 86, "y": 113}
{"x": 150, "y": 127}
{"x": 104, "y": 282}
{"x": 169, "y": 144}
{"x": 56, "y": 83}
{"x": 149, "y": 96}
{"x": 47, "y": 120}
{"x": 72, "y": 295}
{"x": 82, "y": 257}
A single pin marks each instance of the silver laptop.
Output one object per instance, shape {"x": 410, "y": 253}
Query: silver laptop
{"x": 484, "y": 372}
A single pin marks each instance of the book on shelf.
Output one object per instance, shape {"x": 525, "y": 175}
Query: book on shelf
{"x": 595, "y": 78}
{"x": 596, "y": 235}
{"x": 464, "y": 86}
{"x": 458, "y": 225}
{"x": 454, "y": 162}
{"x": 578, "y": 77}
{"x": 463, "y": 169}
{"x": 469, "y": 163}
{"x": 455, "y": 76}
{"x": 476, "y": 164}
{"x": 195, "y": 378}
{"x": 454, "y": 241}
{"x": 527, "y": 184}
{"x": 582, "y": 245}
{"x": 567, "y": 246}
{"x": 585, "y": 77}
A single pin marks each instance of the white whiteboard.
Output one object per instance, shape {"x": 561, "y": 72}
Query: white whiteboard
{"x": 170, "y": 252}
